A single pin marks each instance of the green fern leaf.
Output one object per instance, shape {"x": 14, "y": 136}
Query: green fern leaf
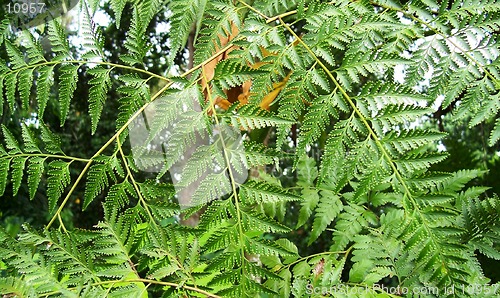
{"x": 10, "y": 141}
{"x": 135, "y": 94}
{"x": 253, "y": 117}
{"x": 261, "y": 192}
{"x": 67, "y": 82}
{"x": 137, "y": 41}
{"x": 93, "y": 40}
{"x": 52, "y": 142}
{"x": 10, "y": 86}
{"x": 216, "y": 24}
{"x": 350, "y": 223}
{"x": 256, "y": 221}
{"x": 118, "y": 6}
{"x": 58, "y": 179}
{"x": 308, "y": 204}
{"x": 43, "y": 85}
{"x": 495, "y": 134}
{"x": 39, "y": 270}
{"x": 17, "y": 166}
{"x": 30, "y": 143}
{"x": 4, "y": 25}
{"x": 265, "y": 247}
{"x": 328, "y": 208}
{"x": 35, "y": 171}
{"x": 259, "y": 155}
{"x": 100, "y": 84}
{"x": 231, "y": 73}
{"x": 58, "y": 40}
{"x": 16, "y": 287}
{"x": 64, "y": 250}
{"x": 185, "y": 14}
{"x": 16, "y": 58}
{"x": 4, "y": 172}
{"x": 34, "y": 48}
{"x": 97, "y": 178}
{"x": 119, "y": 194}
{"x": 315, "y": 121}
{"x": 25, "y": 80}
{"x": 319, "y": 78}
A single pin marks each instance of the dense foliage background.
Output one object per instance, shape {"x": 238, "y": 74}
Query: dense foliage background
{"x": 370, "y": 132}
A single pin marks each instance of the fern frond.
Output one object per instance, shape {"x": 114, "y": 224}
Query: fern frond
{"x": 63, "y": 250}
{"x": 118, "y": 6}
{"x": 373, "y": 258}
{"x": 98, "y": 178}
{"x": 52, "y": 142}
{"x": 350, "y": 223}
{"x": 10, "y": 141}
{"x": 256, "y": 221}
{"x": 184, "y": 15}
{"x": 136, "y": 43}
{"x": 254, "y": 191}
{"x": 25, "y": 78}
{"x": 315, "y": 121}
{"x": 67, "y": 86}
{"x": 230, "y": 73}
{"x": 16, "y": 57}
{"x": 479, "y": 219}
{"x": 213, "y": 186}
{"x": 17, "y": 287}
{"x": 17, "y": 166}
{"x": 218, "y": 211}
{"x": 35, "y": 171}
{"x": 361, "y": 64}
{"x": 58, "y": 40}
{"x": 93, "y": 40}
{"x": 135, "y": 94}
{"x": 328, "y": 208}
{"x": 29, "y": 140}
{"x": 10, "y": 88}
{"x": 216, "y": 25}
{"x": 37, "y": 271}
{"x": 119, "y": 194}
{"x": 253, "y": 117}
{"x": 43, "y": 85}
{"x": 58, "y": 179}
{"x": 265, "y": 247}
{"x": 258, "y": 155}
{"x": 100, "y": 83}
{"x": 4, "y": 172}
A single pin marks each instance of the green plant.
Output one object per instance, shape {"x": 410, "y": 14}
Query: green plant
{"x": 391, "y": 221}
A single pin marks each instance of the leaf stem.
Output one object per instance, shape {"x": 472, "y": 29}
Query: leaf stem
{"x": 46, "y": 156}
{"x": 143, "y": 280}
{"x": 113, "y": 65}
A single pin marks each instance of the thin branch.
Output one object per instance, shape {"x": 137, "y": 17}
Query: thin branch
{"x": 113, "y": 65}
{"x": 143, "y": 280}
{"x": 46, "y": 156}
